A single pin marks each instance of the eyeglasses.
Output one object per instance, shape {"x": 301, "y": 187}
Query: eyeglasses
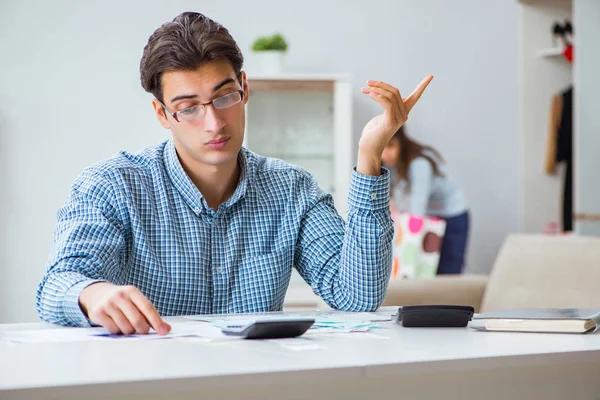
{"x": 198, "y": 111}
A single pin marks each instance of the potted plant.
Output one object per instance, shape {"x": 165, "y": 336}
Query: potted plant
{"x": 270, "y": 52}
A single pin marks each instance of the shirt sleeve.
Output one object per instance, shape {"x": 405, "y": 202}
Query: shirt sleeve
{"x": 421, "y": 177}
{"x": 348, "y": 264}
{"x": 88, "y": 242}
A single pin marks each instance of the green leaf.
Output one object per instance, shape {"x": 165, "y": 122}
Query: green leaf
{"x": 273, "y": 42}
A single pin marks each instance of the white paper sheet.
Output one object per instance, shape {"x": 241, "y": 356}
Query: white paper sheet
{"x": 329, "y": 315}
{"x": 179, "y": 330}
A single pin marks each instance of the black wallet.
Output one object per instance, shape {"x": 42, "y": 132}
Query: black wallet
{"x": 434, "y": 316}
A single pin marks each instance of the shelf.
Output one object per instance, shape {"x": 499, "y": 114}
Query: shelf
{"x": 272, "y": 85}
{"x": 299, "y": 77}
{"x": 551, "y": 52}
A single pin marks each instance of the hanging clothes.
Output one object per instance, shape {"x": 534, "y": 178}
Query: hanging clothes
{"x": 564, "y": 153}
{"x": 560, "y": 150}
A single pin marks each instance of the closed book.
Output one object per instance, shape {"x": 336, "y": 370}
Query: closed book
{"x": 551, "y": 320}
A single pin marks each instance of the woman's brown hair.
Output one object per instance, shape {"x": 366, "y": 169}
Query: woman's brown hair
{"x": 409, "y": 150}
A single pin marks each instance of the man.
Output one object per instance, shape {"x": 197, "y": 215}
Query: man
{"x": 199, "y": 224}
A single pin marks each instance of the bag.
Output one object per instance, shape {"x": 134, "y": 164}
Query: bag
{"x": 417, "y": 245}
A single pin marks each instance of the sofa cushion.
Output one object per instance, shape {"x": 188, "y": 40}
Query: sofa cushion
{"x": 545, "y": 271}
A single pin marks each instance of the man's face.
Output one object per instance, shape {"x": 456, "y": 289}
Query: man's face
{"x": 215, "y": 138}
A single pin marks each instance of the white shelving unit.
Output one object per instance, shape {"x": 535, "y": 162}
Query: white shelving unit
{"x": 543, "y": 72}
{"x": 304, "y": 119}
{"x": 539, "y": 80}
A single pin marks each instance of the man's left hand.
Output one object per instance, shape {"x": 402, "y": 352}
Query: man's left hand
{"x": 379, "y": 130}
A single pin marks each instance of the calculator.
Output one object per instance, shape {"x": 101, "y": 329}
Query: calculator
{"x": 272, "y": 328}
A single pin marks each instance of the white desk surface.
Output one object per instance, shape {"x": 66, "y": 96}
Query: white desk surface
{"x": 162, "y": 365}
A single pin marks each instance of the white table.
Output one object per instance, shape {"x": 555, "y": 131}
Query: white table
{"x": 400, "y": 362}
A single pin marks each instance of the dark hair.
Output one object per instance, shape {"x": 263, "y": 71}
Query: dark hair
{"x": 186, "y": 43}
{"x": 409, "y": 150}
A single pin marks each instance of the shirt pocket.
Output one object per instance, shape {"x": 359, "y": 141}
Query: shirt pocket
{"x": 263, "y": 281}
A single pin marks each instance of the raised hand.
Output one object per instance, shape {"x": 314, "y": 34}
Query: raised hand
{"x": 380, "y": 129}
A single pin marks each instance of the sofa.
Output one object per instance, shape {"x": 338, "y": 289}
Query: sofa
{"x": 529, "y": 271}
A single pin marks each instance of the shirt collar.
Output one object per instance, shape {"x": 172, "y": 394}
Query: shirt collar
{"x": 241, "y": 189}
{"x": 189, "y": 192}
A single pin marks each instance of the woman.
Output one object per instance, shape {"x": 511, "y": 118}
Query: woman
{"x": 421, "y": 186}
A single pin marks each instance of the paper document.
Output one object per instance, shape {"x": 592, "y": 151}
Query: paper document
{"x": 320, "y": 316}
{"x": 319, "y": 326}
{"x": 178, "y": 330}
{"x": 329, "y": 321}
{"x": 327, "y": 326}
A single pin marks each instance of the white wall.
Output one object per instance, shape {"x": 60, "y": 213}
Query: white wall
{"x": 70, "y": 95}
{"x": 587, "y": 117}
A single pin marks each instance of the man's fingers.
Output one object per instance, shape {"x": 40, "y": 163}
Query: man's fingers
{"x": 411, "y": 100}
{"x": 396, "y": 113}
{"x": 385, "y": 86}
{"x": 107, "y": 322}
{"x": 134, "y": 316}
{"x": 120, "y": 319}
{"x": 395, "y": 95}
{"x": 382, "y": 100}
{"x": 389, "y": 96}
{"x": 150, "y": 313}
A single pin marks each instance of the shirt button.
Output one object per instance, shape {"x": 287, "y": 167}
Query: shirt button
{"x": 220, "y": 270}
{"x": 373, "y": 196}
{"x": 197, "y": 210}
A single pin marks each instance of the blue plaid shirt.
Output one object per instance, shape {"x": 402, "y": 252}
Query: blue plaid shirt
{"x": 139, "y": 220}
